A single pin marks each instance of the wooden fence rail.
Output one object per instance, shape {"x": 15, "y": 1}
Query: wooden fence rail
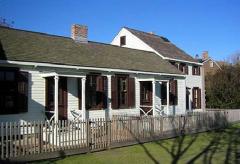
{"x": 40, "y": 140}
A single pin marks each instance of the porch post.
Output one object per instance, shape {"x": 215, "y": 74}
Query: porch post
{"x": 168, "y": 98}
{"x": 137, "y": 94}
{"x": 83, "y": 98}
{"x": 109, "y": 100}
{"x": 153, "y": 96}
{"x": 56, "y": 79}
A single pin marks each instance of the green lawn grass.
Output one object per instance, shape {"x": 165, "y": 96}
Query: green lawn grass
{"x": 222, "y": 146}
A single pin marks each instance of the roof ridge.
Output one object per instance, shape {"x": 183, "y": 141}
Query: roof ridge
{"x": 34, "y": 32}
{"x": 52, "y": 35}
{"x": 162, "y": 37}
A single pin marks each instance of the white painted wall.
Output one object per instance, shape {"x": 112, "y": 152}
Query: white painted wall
{"x": 36, "y": 99}
{"x": 131, "y": 41}
{"x": 195, "y": 81}
{"x": 191, "y": 81}
{"x": 73, "y": 102}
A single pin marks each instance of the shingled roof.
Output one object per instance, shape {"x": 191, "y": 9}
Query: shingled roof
{"x": 162, "y": 45}
{"x": 20, "y": 45}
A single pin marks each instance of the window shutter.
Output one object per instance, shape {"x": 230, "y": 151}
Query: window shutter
{"x": 99, "y": 92}
{"x": 79, "y": 94}
{"x": 114, "y": 92}
{"x": 194, "y": 98}
{"x": 186, "y": 69}
{"x": 199, "y": 70}
{"x": 22, "y": 96}
{"x": 199, "y": 98}
{"x": 170, "y": 93}
{"x": 175, "y": 92}
{"x": 105, "y": 87}
{"x": 131, "y": 92}
{"x": 181, "y": 67}
{"x": 193, "y": 70}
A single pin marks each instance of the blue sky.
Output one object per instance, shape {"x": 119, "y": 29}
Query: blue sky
{"x": 194, "y": 26}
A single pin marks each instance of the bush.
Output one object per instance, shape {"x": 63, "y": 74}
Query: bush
{"x": 223, "y": 88}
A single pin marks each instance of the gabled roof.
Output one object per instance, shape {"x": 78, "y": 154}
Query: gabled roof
{"x": 19, "y": 45}
{"x": 210, "y": 59}
{"x": 162, "y": 45}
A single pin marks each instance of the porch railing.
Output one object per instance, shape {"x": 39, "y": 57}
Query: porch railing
{"x": 144, "y": 112}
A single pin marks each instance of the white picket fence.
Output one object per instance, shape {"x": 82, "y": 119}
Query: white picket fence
{"x": 39, "y": 140}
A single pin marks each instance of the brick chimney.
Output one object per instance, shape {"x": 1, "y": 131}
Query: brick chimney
{"x": 79, "y": 33}
{"x": 205, "y": 55}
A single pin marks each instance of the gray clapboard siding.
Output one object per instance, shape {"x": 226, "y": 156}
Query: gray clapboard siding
{"x": 73, "y": 103}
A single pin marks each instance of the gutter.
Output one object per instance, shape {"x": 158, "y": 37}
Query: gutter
{"x": 36, "y": 64}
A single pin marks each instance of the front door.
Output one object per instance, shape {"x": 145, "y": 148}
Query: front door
{"x": 146, "y": 97}
{"x": 62, "y": 97}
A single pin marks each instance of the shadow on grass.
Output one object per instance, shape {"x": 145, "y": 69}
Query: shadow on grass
{"x": 224, "y": 141}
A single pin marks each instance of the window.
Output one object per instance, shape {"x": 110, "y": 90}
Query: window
{"x": 173, "y": 93}
{"x": 146, "y": 92}
{"x": 122, "y": 40}
{"x": 96, "y": 92}
{"x": 196, "y": 94}
{"x": 164, "y": 93}
{"x": 123, "y": 92}
{"x": 13, "y": 91}
{"x": 196, "y": 70}
{"x": 174, "y": 64}
{"x": 173, "y": 98}
{"x": 62, "y": 97}
{"x": 211, "y": 64}
{"x": 183, "y": 67}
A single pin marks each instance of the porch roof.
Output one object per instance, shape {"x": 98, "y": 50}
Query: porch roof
{"x": 20, "y": 45}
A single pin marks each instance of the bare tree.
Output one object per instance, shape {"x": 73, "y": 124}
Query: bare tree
{"x": 234, "y": 58}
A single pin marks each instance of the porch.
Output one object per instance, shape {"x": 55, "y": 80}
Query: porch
{"x": 98, "y": 95}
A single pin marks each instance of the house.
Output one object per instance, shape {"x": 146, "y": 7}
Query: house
{"x": 52, "y": 77}
{"x": 210, "y": 66}
{"x": 193, "y": 93}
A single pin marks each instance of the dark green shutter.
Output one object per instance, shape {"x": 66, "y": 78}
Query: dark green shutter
{"x": 199, "y": 98}
{"x": 131, "y": 92}
{"x": 175, "y": 93}
{"x": 105, "y": 89}
{"x": 22, "y": 97}
{"x": 114, "y": 88}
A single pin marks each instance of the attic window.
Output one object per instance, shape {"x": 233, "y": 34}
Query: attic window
{"x": 122, "y": 40}
{"x": 211, "y": 64}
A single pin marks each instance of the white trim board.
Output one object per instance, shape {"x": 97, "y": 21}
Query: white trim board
{"x": 36, "y": 64}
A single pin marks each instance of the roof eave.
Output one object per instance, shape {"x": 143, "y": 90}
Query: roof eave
{"x": 36, "y": 64}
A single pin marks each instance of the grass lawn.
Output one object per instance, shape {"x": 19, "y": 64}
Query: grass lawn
{"x": 222, "y": 146}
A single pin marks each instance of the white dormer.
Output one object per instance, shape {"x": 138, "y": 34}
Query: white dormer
{"x": 131, "y": 41}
